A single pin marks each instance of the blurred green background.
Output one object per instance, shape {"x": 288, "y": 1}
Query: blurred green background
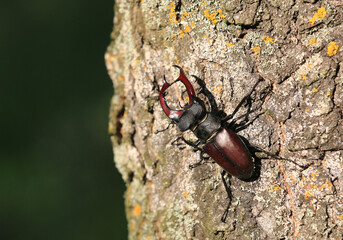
{"x": 57, "y": 176}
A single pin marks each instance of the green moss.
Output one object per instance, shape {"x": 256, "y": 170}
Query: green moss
{"x": 147, "y": 159}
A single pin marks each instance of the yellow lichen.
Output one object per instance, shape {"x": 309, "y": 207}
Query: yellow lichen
{"x": 137, "y": 210}
{"x": 219, "y": 89}
{"x": 315, "y": 90}
{"x": 327, "y": 186}
{"x": 268, "y": 40}
{"x": 172, "y": 13}
{"x": 257, "y": 50}
{"x": 204, "y": 3}
{"x": 313, "y": 41}
{"x": 318, "y": 15}
{"x": 211, "y": 16}
{"x": 308, "y": 195}
{"x": 185, "y": 194}
{"x": 314, "y": 176}
{"x": 275, "y": 188}
{"x": 229, "y": 44}
{"x": 171, "y": 6}
{"x": 120, "y": 79}
{"x": 187, "y": 29}
{"x": 332, "y": 49}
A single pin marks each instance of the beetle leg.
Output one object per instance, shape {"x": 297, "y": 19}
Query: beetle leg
{"x": 241, "y": 102}
{"x": 158, "y": 131}
{"x": 243, "y": 125}
{"x": 177, "y": 143}
{"x": 194, "y": 165}
{"x": 257, "y": 149}
{"x": 204, "y": 90}
{"x": 245, "y": 117}
{"x": 229, "y": 194}
{"x": 195, "y": 148}
{"x": 194, "y": 145}
{"x": 202, "y": 158}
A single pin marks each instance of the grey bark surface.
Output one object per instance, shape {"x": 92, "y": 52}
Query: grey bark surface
{"x": 296, "y": 47}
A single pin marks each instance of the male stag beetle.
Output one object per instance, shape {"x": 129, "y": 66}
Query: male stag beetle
{"x": 220, "y": 142}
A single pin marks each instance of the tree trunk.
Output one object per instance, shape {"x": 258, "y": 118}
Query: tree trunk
{"x": 295, "y": 46}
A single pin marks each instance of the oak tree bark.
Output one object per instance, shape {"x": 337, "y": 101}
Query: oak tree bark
{"x": 295, "y": 46}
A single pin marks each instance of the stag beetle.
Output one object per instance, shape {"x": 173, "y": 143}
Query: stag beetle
{"x": 218, "y": 140}
{"x": 221, "y": 143}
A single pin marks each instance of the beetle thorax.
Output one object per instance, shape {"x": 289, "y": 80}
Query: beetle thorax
{"x": 207, "y": 128}
{"x": 191, "y": 116}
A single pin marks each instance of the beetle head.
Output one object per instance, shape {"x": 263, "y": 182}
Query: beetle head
{"x": 192, "y": 112}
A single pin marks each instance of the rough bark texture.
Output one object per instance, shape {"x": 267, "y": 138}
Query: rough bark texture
{"x": 296, "y": 47}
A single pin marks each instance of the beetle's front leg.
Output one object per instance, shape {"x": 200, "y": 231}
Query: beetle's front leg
{"x": 204, "y": 90}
